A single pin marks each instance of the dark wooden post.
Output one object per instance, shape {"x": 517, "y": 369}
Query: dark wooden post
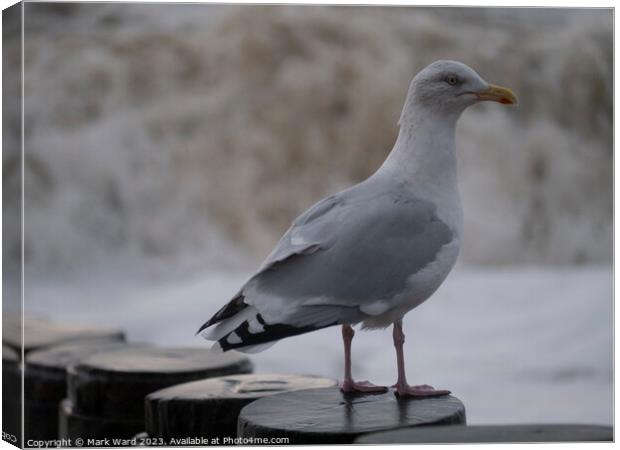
{"x": 210, "y": 408}
{"x": 110, "y": 387}
{"x": 40, "y": 332}
{"x": 327, "y": 416}
{"x": 40, "y": 413}
{"x": 45, "y": 382}
{"x": 11, "y": 396}
{"x": 458, "y": 434}
{"x": 74, "y": 425}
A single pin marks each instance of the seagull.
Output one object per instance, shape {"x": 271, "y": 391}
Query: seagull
{"x": 372, "y": 252}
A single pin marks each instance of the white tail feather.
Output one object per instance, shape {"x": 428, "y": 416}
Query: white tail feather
{"x": 217, "y": 348}
{"x": 224, "y": 327}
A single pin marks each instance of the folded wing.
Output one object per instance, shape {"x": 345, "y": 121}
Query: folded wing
{"x": 346, "y": 258}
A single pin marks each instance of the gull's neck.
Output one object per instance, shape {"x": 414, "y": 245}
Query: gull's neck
{"x": 424, "y": 158}
{"x": 424, "y": 154}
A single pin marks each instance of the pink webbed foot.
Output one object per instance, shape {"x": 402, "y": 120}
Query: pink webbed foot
{"x": 423, "y": 390}
{"x": 361, "y": 386}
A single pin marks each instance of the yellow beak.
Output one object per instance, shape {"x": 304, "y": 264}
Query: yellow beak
{"x": 498, "y": 94}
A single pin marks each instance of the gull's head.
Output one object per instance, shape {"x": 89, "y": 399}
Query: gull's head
{"x": 450, "y": 87}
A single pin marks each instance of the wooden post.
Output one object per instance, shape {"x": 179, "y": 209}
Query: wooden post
{"x": 43, "y": 386}
{"x": 45, "y": 382}
{"x": 459, "y": 434}
{"x": 73, "y": 425}
{"x": 11, "y": 396}
{"x": 328, "y": 416}
{"x": 110, "y": 387}
{"x": 40, "y": 332}
{"x": 210, "y": 408}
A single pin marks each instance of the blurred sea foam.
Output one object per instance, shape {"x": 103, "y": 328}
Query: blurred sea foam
{"x": 191, "y": 135}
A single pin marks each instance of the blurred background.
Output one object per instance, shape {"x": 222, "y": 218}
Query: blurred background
{"x": 168, "y": 147}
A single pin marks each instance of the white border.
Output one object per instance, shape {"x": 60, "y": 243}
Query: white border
{"x": 488, "y": 3}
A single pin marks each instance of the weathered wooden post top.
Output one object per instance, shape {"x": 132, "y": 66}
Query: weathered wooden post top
{"x": 106, "y": 391}
{"x": 329, "y": 416}
{"x": 40, "y": 332}
{"x": 210, "y": 408}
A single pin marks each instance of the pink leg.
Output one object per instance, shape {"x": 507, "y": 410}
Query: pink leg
{"x": 402, "y": 387}
{"x": 348, "y": 385}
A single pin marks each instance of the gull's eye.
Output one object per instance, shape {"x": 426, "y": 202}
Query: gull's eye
{"x": 451, "y": 80}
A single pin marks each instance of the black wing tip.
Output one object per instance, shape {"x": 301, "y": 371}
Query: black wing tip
{"x": 228, "y": 310}
{"x": 212, "y": 321}
{"x": 203, "y": 327}
{"x": 271, "y": 333}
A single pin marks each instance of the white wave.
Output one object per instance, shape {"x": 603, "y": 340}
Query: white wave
{"x": 195, "y": 134}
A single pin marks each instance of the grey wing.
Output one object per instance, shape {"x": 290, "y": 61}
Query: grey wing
{"x": 309, "y": 232}
{"x": 338, "y": 261}
{"x": 347, "y": 252}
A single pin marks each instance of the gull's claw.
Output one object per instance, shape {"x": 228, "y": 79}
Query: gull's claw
{"x": 422, "y": 390}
